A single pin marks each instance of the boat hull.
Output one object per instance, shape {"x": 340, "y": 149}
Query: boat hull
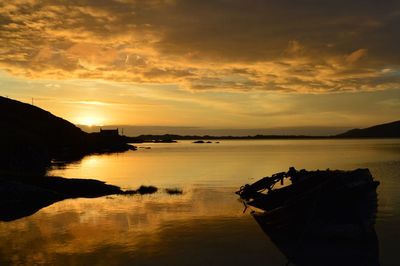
{"x": 321, "y": 200}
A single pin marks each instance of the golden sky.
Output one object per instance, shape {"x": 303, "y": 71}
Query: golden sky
{"x": 214, "y": 64}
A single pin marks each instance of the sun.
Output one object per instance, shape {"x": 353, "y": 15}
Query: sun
{"x": 90, "y": 121}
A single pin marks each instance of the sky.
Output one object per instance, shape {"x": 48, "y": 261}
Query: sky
{"x": 241, "y": 66}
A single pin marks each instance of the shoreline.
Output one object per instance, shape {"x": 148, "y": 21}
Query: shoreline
{"x": 24, "y": 195}
{"x": 173, "y": 138}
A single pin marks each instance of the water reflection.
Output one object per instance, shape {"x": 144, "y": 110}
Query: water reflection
{"x": 230, "y": 163}
{"x": 346, "y": 238}
{"x": 199, "y": 227}
{"x": 303, "y": 250}
{"x": 203, "y": 226}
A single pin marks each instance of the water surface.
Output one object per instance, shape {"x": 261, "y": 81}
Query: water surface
{"x": 203, "y": 226}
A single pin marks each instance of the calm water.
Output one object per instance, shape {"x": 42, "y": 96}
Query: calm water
{"x": 205, "y": 225}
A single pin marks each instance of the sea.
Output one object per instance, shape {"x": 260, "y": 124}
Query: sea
{"x": 205, "y": 225}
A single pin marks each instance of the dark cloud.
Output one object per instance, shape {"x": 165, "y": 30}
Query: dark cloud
{"x": 290, "y": 46}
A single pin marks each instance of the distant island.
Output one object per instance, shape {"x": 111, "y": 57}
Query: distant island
{"x": 388, "y": 130}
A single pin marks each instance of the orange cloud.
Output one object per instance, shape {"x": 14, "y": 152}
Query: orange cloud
{"x": 356, "y": 55}
{"x": 205, "y": 46}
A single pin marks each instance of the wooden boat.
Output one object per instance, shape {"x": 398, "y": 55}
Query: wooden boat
{"x": 340, "y": 204}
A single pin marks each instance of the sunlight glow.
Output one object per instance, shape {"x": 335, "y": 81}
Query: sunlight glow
{"x": 90, "y": 121}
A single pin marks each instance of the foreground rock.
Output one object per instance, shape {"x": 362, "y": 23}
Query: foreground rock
{"x": 21, "y": 196}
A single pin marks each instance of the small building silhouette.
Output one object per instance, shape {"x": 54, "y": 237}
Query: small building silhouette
{"x": 109, "y": 132}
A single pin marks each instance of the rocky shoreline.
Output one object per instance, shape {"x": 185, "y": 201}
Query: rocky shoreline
{"x": 21, "y": 195}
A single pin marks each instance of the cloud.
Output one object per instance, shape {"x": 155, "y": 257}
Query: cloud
{"x": 292, "y": 47}
{"x": 356, "y": 55}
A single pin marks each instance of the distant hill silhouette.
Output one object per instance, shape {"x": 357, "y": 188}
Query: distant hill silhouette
{"x": 30, "y": 137}
{"x": 388, "y": 130}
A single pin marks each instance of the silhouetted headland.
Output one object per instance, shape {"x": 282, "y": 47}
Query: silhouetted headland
{"x": 388, "y": 130}
{"x": 31, "y": 137}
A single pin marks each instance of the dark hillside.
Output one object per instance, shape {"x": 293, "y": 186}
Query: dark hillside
{"x": 30, "y": 137}
{"x": 388, "y": 130}
{"x": 25, "y": 121}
